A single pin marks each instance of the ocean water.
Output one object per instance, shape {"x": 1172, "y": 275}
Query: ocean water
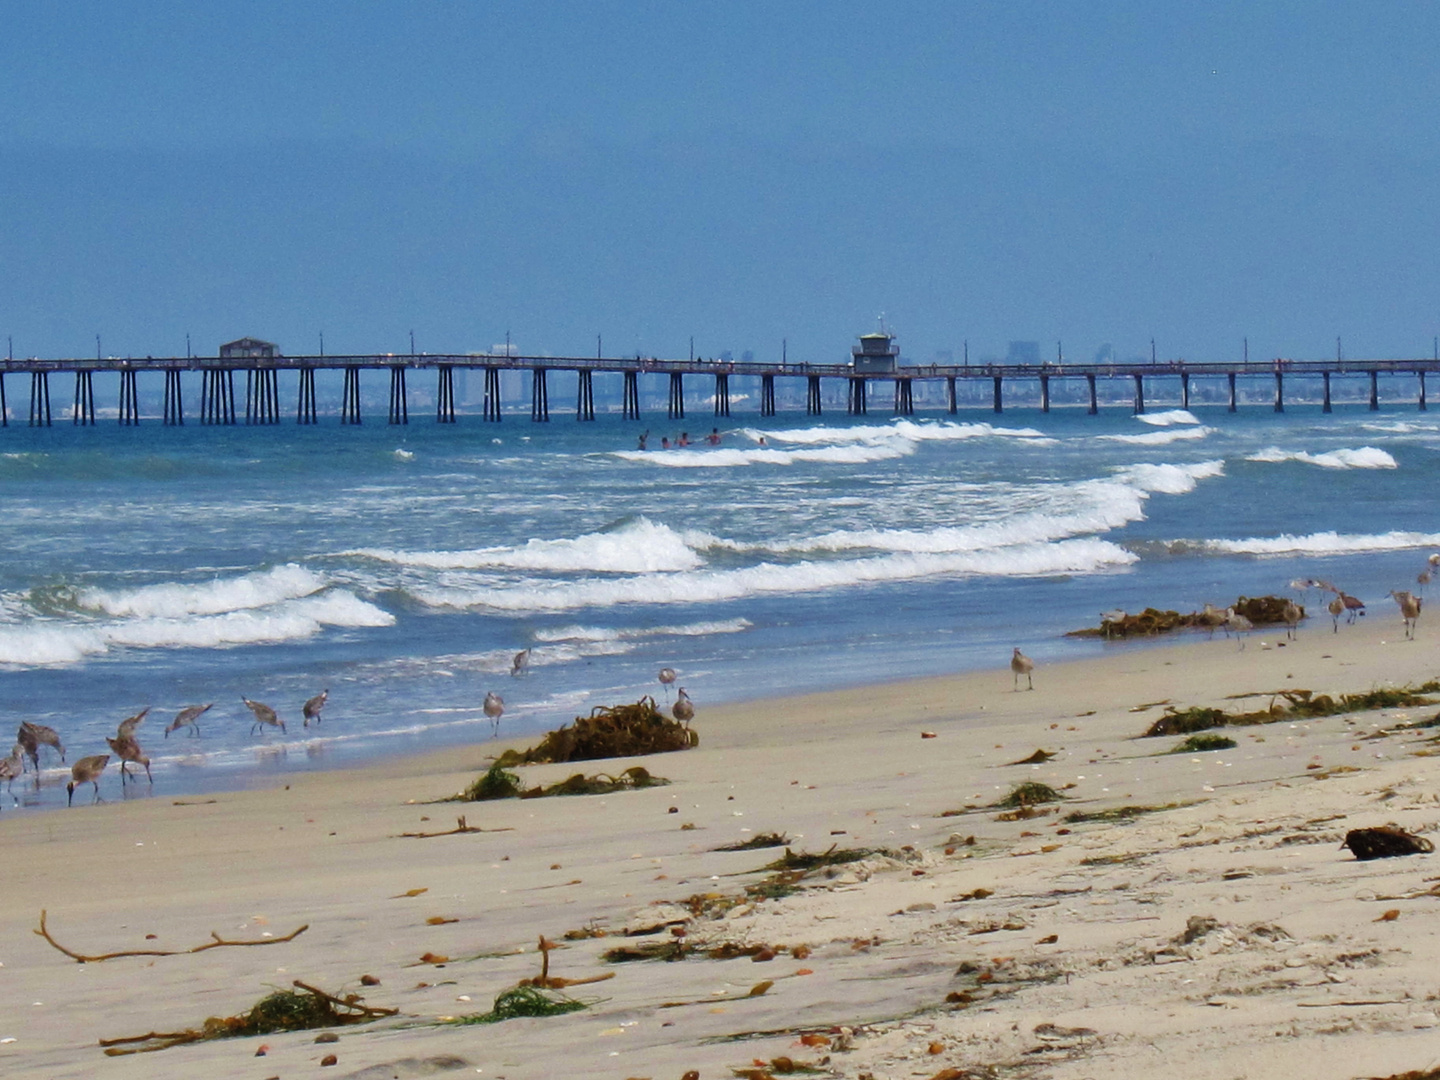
{"x": 401, "y": 568}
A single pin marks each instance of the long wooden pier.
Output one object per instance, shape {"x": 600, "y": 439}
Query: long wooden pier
{"x": 227, "y": 382}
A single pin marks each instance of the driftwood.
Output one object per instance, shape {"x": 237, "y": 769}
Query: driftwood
{"x": 218, "y": 942}
{"x": 460, "y": 828}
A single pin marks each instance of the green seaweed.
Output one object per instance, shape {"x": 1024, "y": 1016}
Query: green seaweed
{"x": 523, "y": 1001}
{"x": 806, "y": 861}
{"x": 495, "y": 784}
{"x": 1204, "y": 741}
{"x": 1029, "y": 794}
{"x": 1118, "y": 813}
{"x": 762, "y": 840}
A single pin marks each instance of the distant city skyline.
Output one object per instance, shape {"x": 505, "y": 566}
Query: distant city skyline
{"x": 741, "y": 173}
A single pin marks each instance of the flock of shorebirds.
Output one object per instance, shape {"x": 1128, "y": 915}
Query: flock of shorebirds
{"x": 1231, "y": 621}
{"x": 125, "y": 746}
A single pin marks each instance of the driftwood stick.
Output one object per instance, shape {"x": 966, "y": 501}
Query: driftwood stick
{"x": 81, "y": 958}
{"x": 352, "y": 1003}
{"x": 461, "y": 827}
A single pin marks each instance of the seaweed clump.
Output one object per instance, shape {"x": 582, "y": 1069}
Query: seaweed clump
{"x": 609, "y": 731}
{"x": 524, "y": 1001}
{"x": 302, "y": 1009}
{"x": 760, "y": 840}
{"x": 1204, "y": 741}
{"x": 1030, "y": 794}
{"x": 1297, "y": 705}
{"x": 1260, "y": 610}
{"x": 499, "y": 784}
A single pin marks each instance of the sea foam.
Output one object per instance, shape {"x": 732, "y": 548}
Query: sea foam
{"x": 1364, "y": 457}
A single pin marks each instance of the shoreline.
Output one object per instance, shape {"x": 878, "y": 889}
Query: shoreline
{"x": 882, "y": 941}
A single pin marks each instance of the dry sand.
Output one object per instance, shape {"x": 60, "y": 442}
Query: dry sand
{"x": 1062, "y": 947}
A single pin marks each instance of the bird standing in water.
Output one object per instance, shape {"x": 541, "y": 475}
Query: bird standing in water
{"x": 264, "y": 714}
{"x": 667, "y": 677}
{"x": 87, "y": 770}
{"x": 1020, "y": 664}
{"x": 189, "y": 717}
{"x": 33, "y": 736}
{"x": 494, "y": 709}
{"x": 311, "y": 709}
{"x": 520, "y": 664}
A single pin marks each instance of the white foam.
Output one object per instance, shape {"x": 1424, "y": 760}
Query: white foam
{"x": 1161, "y": 438}
{"x": 173, "y": 599}
{"x": 1170, "y": 479}
{"x": 909, "y": 430}
{"x": 637, "y": 547}
{"x": 1325, "y": 543}
{"x": 724, "y": 457}
{"x": 1364, "y": 457}
{"x": 41, "y": 643}
{"x": 609, "y": 633}
{"x": 711, "y": 586}
{"x": 1169, "y": 418}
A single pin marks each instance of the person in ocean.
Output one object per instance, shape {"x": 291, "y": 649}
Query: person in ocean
{"x": 644, "y": 437}
{"x": 684, "y": 439}
{"x": 664, "y": 442}
{"x": 714, "y": 437}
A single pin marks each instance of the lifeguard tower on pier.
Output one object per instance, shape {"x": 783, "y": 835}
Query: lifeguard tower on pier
{"x": 876, "y": 354}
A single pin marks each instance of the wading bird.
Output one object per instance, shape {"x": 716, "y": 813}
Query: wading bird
{"x": 264, "y": 714}
{"x": 1409, "y": 611}
{"x": 130, "y": 723}
{"x": 667, "y": 676}
{"x": 12, "y": 767}
{"x": 1238, "y": 623}
{"x": 1292, "y": 614}
{"x": 520, "y": 664}
{"x": 127, "y": 748}
{"x": 494, "y": 709}
{"x": 33, "y": 736}
{"x": 311, "y": 709}
{"x": 1020, "y": 664}
{"x": 87, "y": 770}
{"x": 1336, "y": 608}
{"x": 189, "y": 717}
{"x": 683, "y": 709}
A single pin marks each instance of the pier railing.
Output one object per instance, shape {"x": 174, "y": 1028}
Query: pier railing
{"x": 262, "y": 400}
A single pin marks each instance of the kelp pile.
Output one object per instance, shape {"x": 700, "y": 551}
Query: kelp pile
{"x": 497, "y": 783}
{"x": 609, "y": 731}
{"x": 524, "y": 1001}
{"x": 1260, "y": 610}
{"x": 1297, "y": 705}
{"x": 301, "y": 1009}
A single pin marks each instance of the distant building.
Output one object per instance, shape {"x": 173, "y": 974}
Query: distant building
{"x": 249, "y": 348}
{"x": 876, "y": 353}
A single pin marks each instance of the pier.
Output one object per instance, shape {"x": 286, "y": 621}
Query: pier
{"x": 236, "y": 390}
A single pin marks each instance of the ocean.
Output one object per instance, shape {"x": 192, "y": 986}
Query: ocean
{"x": 402, "y": 568}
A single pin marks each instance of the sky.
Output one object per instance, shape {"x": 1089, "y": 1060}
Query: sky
{"x": 752, "y": 176}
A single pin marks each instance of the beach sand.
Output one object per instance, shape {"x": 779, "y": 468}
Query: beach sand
{"x": 1062, "y": 947}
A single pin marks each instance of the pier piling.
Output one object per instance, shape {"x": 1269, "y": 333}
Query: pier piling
{"x": 399, "y": 411}
{"x": 492, "y": 394}
{"x": 585, "y": 395}
{"x": 84, "y": 413}
{"x": 40, "y": 399}
{"x": 812, "y": 395}
{"x": 722, "y": 394}
{"x": 129, "y": 399}
{"x": 630, "y": 405}
{"x": 539, "y": 397}
{"x": 445, "y": 393}
{"x": 676, "y": 410}
{"x": 174, "y": 407}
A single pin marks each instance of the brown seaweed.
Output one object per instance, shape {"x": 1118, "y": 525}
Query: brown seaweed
{"x": 609, "y": 731}
{"x": 1385, "y": 842}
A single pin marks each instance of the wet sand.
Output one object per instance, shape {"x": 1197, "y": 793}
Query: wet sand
{"x": 1227, "y": 936}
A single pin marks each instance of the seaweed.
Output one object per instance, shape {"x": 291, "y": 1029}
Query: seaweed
{"x": 1117, "y": 813}
{"x": 609, "y": 731}
{"x": 523, "y": 1001}
{"x": 807, "y": 861}
{"x": 1028, "y": 794}
{"x": 1385, "y": 842}
{"x": 495, "y": 784}
{"x": 761, "y": 840}
{"x": 1204, "y": 741}
{"x": 499, "y": 784}
{"x": 302, "y": 1009}
{"x": 1297, "y": 705}
{"x": 1187, "y": 721}
{"x": 1260, "y": 610}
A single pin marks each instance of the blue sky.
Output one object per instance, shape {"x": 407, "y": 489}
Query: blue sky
{"x": 745, "y": 173}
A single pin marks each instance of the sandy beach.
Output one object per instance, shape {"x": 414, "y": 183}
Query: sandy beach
{"x": 1226, "y": 935}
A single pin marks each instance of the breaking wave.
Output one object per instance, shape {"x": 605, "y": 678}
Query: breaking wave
{"x": 1364, "y": 457}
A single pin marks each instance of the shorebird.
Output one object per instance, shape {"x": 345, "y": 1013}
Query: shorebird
{"x": 87, "y": 770}
{"x": 1292, "y": 615}
{"x": 667, "y": 676}
{"x": 1020, "y": 664}
{"x": 128, "y": 749}
{"x": 1409, "y": 611}
{"x": 1336, "y": 608}
{"x": 520, "y": 664}
{"x": 1238, "y": 623}
{"x": 683, "y": 709}
{"x": 189, "y": 717}
{"x": 264, "y": 714}
{"x": 494, "y": 709}
{"x": 33, "y": 736}
{"x": 12, "y": 767}
{"x": 1353, "y": 606}
{"x": 1212, "y": 618}
{"x": 311, "y": 709}
{"x": 130, "y": 723}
